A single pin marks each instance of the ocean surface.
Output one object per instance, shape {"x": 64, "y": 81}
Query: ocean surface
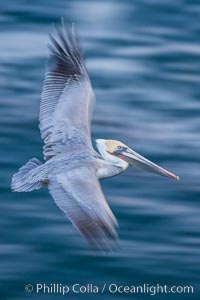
{"x": 143, "y": 57}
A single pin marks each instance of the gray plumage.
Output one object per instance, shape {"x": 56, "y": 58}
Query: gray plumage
{"x": 71, "y": 166}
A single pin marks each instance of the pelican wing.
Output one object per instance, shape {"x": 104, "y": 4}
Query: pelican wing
{"x": 78, "y": 194}
{"x": 67, "y": 97}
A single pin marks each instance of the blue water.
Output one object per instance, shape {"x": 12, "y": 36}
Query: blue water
{"x": 143, "y": 58}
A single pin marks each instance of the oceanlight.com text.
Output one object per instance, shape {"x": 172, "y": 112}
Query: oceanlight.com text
{"x": 112, "y": 288}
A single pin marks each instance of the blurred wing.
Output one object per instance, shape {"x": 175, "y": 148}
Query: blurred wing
{"x": 67, "y": 97}
{"x": 79, "y": 195}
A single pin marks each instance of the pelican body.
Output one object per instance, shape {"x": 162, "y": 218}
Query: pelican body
{"x": 72, "y": 168}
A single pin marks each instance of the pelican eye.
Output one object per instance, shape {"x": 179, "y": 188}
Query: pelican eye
{"x": 119, "y": 150}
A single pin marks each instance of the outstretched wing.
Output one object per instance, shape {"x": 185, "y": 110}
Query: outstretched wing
{"x": 79, "y": 195}
{"x": 67, "y": 97}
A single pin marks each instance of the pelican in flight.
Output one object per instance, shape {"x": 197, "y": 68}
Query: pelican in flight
{"x": 72, "y": 168}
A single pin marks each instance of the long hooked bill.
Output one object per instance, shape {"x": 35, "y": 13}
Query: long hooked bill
{"x": 137, "y": 160}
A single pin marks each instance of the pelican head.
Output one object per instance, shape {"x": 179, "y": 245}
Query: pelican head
{"x": 121, "y": 155}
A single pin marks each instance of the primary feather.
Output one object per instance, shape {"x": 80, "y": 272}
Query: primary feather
{"x": 67, "y": 97}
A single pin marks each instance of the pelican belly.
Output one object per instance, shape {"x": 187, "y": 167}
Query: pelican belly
{"x": 107, "y": 170}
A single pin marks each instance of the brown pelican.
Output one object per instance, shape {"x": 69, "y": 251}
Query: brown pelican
{"x": 73, "y": 168}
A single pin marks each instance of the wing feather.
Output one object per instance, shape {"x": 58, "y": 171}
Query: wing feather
{"x": 80, "y": 197}
{"x": 67, "y": 97}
